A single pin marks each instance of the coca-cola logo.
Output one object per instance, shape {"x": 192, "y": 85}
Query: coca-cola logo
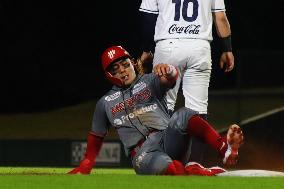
{"x": 190, "y": 29}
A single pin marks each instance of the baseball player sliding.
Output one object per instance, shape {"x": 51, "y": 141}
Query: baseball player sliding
{"x": 136, "y": 108}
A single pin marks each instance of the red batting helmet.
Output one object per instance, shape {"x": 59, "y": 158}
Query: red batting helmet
{"x": 111, "y": 55}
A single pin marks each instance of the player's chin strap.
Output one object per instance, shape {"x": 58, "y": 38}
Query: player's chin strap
{"x": 114, "y": 80}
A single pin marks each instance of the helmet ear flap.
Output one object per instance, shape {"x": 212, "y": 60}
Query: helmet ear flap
{"x": 113, "y": 80}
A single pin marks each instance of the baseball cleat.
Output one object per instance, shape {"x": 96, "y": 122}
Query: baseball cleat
{"x": 235, "y": 139}
{"x": 193, "y": 168}
{"x": 216, "y": 170}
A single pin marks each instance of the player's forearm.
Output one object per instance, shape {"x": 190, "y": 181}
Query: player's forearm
{"x": 94, "y": 144}
{"x": 222, "y": 24}
{"x": 223, "y": 30}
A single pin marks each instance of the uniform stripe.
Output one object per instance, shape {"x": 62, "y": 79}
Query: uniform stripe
{"x": 102, "y": 135}
{"x": 217, "y": 10}
{"x": 149, "y": 11}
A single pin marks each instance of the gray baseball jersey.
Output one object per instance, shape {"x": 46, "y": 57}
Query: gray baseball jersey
{"x": 134, "y": 111}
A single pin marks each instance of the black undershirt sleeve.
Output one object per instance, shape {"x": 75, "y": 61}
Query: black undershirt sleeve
{"x": 147, "y": 30}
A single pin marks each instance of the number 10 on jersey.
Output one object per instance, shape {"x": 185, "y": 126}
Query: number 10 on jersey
{"x": 185, "y": 4}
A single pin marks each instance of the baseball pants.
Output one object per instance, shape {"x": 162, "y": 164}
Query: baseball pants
{"x": 192, "y": 57}
{"x": 162, "y": 147}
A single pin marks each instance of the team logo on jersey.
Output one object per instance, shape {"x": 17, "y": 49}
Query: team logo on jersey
{"x": 113, "y": 96}
{"x": 190, "y": 29}
{"x": 111, "y": 54}
{"x": 130, "y": 102}
{"x": 138, "y": 87}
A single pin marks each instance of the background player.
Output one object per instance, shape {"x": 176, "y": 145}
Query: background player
{"x": 183, "y": 31}
{"x": 136, "y": 107}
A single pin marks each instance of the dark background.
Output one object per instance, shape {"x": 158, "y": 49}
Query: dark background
{"x": 51, "y": 50}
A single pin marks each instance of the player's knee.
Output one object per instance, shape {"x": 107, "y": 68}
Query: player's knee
{"x": 179, "y": 120}
{"x": 151, "y": 164}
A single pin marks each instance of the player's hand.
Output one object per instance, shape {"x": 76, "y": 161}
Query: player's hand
{"x": 227, "y": 61}
{"x": 167, "y": 74}
{"x": 85, "y": 167}
{"x": 163, "y": 70}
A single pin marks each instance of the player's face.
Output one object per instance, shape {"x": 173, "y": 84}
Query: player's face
{"x": 123, "y": 70}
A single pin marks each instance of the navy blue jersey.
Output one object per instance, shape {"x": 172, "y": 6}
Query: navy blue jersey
{"x": 134, "y": 111}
